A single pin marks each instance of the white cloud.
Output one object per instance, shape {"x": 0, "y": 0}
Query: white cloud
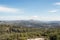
{"x": 46, "y": 18}
{"x": 10, "y": 10}
{"x": 15, "y": 17}
{"x": 52, "y": 18}
{"x": 10, "y": 18}
{"x": 53, "y": 11}
{"x": 18, "y": 17}
{"x": 34, "y": 16}
{"x": 42, "y": 18}
{"x": 57, "y": 3}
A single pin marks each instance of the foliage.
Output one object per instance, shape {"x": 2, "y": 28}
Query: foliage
{"x": 13, "y": 32}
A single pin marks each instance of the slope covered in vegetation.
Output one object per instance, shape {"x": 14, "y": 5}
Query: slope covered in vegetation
{"x": 13, "y": 32}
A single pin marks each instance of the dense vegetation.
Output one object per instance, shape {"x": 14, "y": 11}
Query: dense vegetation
{"x": 13, "y": 32}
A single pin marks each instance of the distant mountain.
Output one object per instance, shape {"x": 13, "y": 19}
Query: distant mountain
{"x": 33, "y": 23}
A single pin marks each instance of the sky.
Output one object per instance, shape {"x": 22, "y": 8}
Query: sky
{"x": 44, "y": 10}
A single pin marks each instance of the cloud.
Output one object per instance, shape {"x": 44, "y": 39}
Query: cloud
{"x": 10, "y": 10}
{"x": 42, "y": 18}
{"x": 52, "y": 18}
{"x": 57, "y": 3}
{"x": 10, "y": 17}
{"x": 53, "y": 11}
{"x": 18, "y": 17}
{"x": 34, "y": 16}
{"x": 15, "y": 17}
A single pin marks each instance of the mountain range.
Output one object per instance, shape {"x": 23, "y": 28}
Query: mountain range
{"x": 33, "y": 23}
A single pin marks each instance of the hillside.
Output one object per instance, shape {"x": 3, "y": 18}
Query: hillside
{"x": 23, "y": 30}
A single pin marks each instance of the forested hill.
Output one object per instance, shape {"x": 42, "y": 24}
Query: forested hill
{"x": 25, "y": 29}
{"x": 33, "y": 23}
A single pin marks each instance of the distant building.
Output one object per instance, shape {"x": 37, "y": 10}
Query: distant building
{"x": 37, "y": 39}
